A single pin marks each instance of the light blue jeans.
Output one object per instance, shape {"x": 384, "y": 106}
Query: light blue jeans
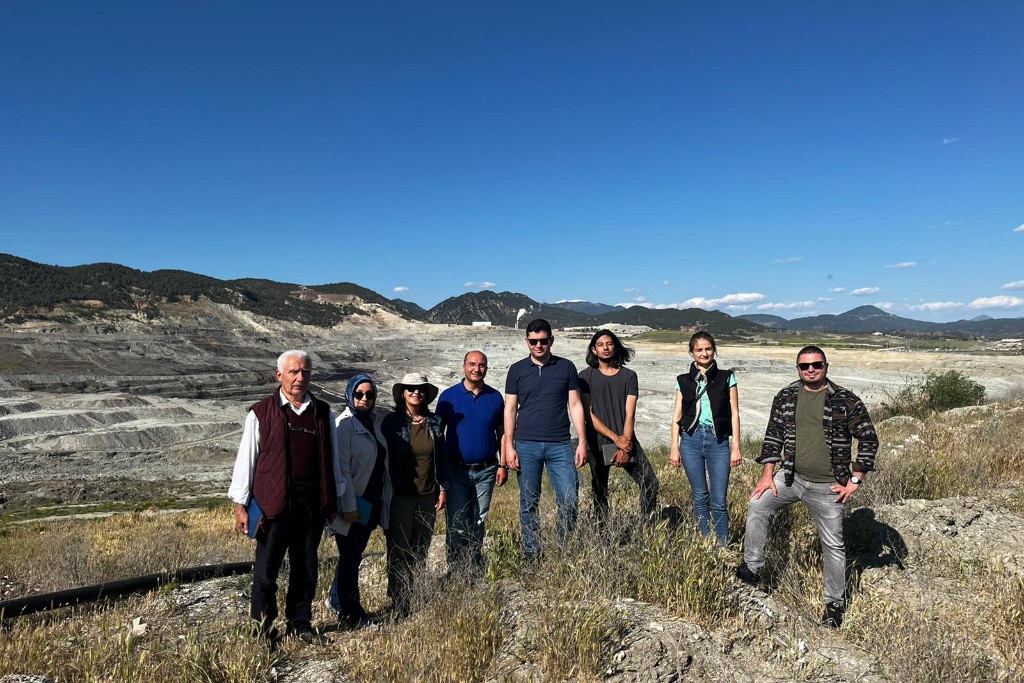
{"x": 469, "y": 500}
{"x": 828, "y": 518}
{"x": 558, "y": 457}
{"x": 706, "y": 461}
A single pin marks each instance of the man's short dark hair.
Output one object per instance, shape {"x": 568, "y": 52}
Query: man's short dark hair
{"x": 812, "y": 349}
{"x": 623, "y": 354}
{"x": 539, "y": 325}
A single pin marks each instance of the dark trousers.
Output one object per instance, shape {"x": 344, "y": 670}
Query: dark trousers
{"x": 409, "y": 534}
{"x": 639, "y": 468}
{"x": 297, "y": 533}
{"x": 345, "y": 591}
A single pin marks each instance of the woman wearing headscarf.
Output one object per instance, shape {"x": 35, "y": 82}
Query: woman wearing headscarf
{"x": 415, "y": 440}
{"x": 364, "y": 493}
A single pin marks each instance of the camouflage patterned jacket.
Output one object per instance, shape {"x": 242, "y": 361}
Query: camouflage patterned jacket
{"x": 845, "y": 416}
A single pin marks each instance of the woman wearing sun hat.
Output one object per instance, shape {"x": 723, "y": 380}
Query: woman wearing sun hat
{"x": 415, "y": 442}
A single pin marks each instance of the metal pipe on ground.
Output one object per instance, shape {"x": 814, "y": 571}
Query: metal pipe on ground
{"x": 19, "y": 607}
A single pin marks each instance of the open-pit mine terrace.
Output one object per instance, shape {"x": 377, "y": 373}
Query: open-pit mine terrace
{"x": 132, "y": 411}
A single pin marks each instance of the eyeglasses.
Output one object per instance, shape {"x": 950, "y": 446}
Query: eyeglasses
{"x": 543, "y": 341}
{"x": 415, "y": 390}
{"x": 482, "y": 366}
{"x": 817, "y": 365}
{"x": 369, "y": 395}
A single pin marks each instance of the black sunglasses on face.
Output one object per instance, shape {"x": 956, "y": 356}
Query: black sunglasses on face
{"x": 543, "y": 341}
{"x": 370, "y": 395}
{"x": 416, "y": 390}
{"x": 817, "y": 365}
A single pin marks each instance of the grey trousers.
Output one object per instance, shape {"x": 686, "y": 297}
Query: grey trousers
{"x": 827, "y": 516}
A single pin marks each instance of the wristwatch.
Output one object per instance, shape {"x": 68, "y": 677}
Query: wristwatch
{"x": 856, "y": 480}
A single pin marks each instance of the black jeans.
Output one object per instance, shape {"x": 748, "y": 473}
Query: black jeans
{"x": 409, "y": 534}
{"x": 345, "y": 591}
{"x": 641, "y": 472}
{"x": 296, "y": 532}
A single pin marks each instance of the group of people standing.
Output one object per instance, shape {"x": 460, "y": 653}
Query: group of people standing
{"x": 300, "y": 465}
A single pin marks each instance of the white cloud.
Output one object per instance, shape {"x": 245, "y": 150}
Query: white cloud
{"x": 665, "y": 282}
{"x": 787, "y": 306}
{"x": 866, "y": 291}
{"x": 885, "y": 305}
{"x": 1019, "y": 228}
{"x": 399, "y": 289}
{"x": 903, "y": 264}
{"x": 570, "y": 301}
{"x": 479, "y": 285}
{"x": 738, "y": 307}
{"x": 824, "y": 298}
{"x": 630, "y": 290}
{"x": 738, "y": 299}
{"x": 1001, "y": 301}
{"x": 950, "y": 141}
{"x": 837, "y": 290}
{"x": 1019, "y": 284}
{"x": 789, "y": 259}
{"x": 934, "y": 306}
{"x": 640, "y": 299}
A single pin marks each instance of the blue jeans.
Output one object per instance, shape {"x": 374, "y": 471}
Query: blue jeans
{"x": 469, "y": 500}
{"x": 706, "y": 461}
{"x": 558, "y": 457}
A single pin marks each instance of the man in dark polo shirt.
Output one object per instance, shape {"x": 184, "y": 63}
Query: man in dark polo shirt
{"x": 810, "y": 435}
{"x": 284, "y": 462}
{"x": 537, "y": 390}
{"x": 473, "y": 414}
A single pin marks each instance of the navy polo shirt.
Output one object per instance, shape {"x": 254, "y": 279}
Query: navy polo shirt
{"x": 471, "y": 423}
{"x": 543, "y": 392}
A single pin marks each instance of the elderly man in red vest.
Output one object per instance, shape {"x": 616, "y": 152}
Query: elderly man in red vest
{"x": 284, "y": 464}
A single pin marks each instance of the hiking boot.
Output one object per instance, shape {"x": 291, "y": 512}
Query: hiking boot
{"x": 747, "y": 575}
{"x": 833, "y": 616}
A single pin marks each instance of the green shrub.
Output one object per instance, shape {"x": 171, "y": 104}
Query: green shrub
{"x": 938, "y": 392}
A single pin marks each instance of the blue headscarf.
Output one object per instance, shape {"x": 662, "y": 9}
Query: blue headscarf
{"x": 352, "y": 384}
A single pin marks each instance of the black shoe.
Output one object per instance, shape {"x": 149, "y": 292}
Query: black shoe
{"x": 833, "y": 616}
{"x": 311, "y": 637}
{"x": 747, "y": 575}
{"x": 271, "y": 638}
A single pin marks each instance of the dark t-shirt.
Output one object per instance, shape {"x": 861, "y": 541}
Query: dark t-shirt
{"x": 543, "y": 394}
{"x": 608, "y": 400}
{"x": 813, "y": 461}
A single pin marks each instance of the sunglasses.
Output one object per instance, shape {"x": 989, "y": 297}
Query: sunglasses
{"x": 416, "y": 390}
{"x": 369, "y": 395}
{"x": 543, "y": 341}
{"x": 817, "y": 365}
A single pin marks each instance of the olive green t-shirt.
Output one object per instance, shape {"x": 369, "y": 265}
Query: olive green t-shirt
{"x": 421, "y": 447}
{"x": 813, "y": 461}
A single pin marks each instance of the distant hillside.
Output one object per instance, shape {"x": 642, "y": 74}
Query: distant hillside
{"x": 587, "y": 308}
{"x": 860, "y": 320}
{"x": 500, "y": 308}
{"x": 772, "y": 321}
{"x": 26, "y": 288}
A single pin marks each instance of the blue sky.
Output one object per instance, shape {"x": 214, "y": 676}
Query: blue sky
{"x": 789, "y": 158}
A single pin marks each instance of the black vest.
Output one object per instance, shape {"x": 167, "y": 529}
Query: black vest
{"x": 718, "y": 396}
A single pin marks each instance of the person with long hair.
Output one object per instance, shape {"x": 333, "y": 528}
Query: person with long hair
{"x": 364, "y": 494}
{"x": 609, "y": 391}
{"x": 416, "y": 452}
{"x": 706, "y": 434}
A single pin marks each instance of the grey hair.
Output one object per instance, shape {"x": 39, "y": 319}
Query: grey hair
{"x": 293, "y": 353}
